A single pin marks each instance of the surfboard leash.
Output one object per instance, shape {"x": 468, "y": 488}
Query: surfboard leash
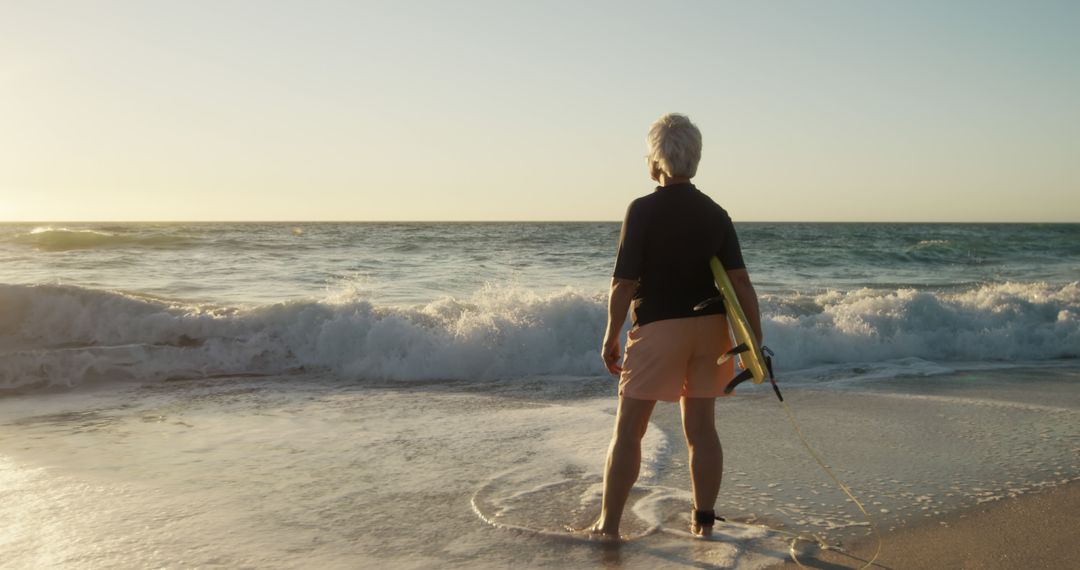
{"x": 797, "y": 537}
{"x": 768, "y": 353}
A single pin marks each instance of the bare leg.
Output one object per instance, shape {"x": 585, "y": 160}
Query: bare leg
{"x": 706, "y": 455}
{"x": 623, "y": 462}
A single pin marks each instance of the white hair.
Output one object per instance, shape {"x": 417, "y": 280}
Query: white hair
{"x": 675, "y": 145}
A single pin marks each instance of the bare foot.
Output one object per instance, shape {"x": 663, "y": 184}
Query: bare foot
{"x": 702, "y": 531}
{"x": 594, "y": 532}
{"x": 698, "y": 520}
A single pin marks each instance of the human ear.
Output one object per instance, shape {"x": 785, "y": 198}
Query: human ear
{"x": 654, "y": 171}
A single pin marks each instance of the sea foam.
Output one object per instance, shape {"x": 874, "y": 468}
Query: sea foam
{"x": 65, "y": 335}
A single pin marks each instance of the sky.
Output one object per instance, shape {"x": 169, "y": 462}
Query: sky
{"x": 513, "y": 110}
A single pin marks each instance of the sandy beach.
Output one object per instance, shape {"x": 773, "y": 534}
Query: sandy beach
{"x": 289, "y": 472}
{"x": 1030, "y": 531}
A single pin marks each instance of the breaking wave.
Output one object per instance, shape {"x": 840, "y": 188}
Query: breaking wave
{"x": 66, "y": 239}
{"x": 55, "y": 335}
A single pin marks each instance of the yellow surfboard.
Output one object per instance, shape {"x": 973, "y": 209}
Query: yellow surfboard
{"x": 755, "y": 362}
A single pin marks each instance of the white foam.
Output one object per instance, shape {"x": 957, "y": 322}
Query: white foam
{"x": 60, "y": 335}
{"x": 64, "y": 335}
{"x": 1003, "y": 322}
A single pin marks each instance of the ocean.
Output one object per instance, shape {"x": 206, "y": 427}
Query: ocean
{"x": 281, "y": 395}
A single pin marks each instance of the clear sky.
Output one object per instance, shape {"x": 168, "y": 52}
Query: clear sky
{"x": 514, "y": 110}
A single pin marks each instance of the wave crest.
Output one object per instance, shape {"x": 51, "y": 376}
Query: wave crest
{"x": 64, "y": 335}
{"x": 1002, "y": 322}
{"x": 67, "y": 239}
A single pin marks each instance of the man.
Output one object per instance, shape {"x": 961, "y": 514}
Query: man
{"x": 662, "y": 268}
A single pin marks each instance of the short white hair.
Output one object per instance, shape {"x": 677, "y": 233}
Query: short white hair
{"x": 675, "y": 145}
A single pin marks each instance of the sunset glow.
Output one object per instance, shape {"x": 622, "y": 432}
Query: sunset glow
{"x": 535, "y": 111}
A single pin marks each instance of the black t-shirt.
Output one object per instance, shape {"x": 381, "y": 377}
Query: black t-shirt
{"x": 666, "y": 242}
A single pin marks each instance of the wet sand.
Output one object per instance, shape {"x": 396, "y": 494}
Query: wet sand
{"x": 314, "y": 471}
{"x": 1039, "y": 530}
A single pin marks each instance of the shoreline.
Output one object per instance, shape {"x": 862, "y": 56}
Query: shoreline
{"x": 295, "y": 471}
{"x": 1036, "y": 530}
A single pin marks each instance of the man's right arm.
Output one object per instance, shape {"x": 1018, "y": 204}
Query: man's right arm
{"x": 622, "y": 293}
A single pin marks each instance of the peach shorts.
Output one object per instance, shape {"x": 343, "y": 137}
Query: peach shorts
{"x": 676, "y": 358}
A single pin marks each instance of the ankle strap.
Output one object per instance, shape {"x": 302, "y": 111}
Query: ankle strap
{"x": 706, "y": 518}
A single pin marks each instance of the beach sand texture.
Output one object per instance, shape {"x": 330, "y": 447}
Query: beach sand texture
{"x": 1034, "y": 531}
{"x": 292, "y": 472}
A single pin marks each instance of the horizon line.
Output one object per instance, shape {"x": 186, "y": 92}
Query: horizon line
{"x": 405, "y": 221}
